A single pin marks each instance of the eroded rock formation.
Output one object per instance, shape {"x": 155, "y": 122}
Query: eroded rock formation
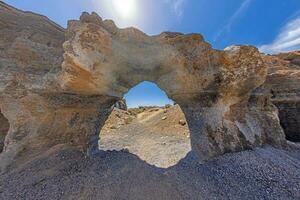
{"x": 212, "y": 87}
{"x": 41, "y": 115}
{"x": 4, "y": 126}
{"x": 53, "y": 95}
{"x": 284, "y": 82}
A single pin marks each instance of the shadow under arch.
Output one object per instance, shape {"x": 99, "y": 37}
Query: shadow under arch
{"x": 119, "y": 174}
{"x": 152, "y": 128}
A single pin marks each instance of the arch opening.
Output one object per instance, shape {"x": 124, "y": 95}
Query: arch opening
{"x": 4, "y": 127}
{"x": 151, "y": 126}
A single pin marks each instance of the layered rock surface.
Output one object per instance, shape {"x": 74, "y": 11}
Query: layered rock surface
{"x": 212, "y": 87}
{"x": 58, "y": 86}
{"x": 4, "y": 126}
{"x": 121, "y": 104}
{"x": 30, "y": 55}
{"x": 284, "y": 82}
{"x": 40, "y": 114}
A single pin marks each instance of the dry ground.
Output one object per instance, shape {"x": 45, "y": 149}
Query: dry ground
{"x": 159, "y": 136}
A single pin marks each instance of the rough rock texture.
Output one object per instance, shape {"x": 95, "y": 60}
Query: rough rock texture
{"x": 121, "y": 104}
{"x": 284, "y": 81}
{"x": 53, "y": 95}
{"x": 4, "y": 126}
{"x": 30, "y": 54}
{"x": 39, "y": 112}
{"x": 212, "y": 87}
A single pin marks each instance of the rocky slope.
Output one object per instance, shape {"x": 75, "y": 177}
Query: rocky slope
{"x": 157, "y": 135}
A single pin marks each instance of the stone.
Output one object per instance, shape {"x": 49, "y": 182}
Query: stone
{"x": 164, "y": 118}
{"x": 113, "y": 127}
{"x": 167, "y": 106}
{"x": 182, "y": 122}
{"x": 57, "y": 86}
{"x": 121, "y": 104}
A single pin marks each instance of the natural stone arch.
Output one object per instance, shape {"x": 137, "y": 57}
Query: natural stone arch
{"x": 50, "y": 104}
{"x": 212, "y": 87}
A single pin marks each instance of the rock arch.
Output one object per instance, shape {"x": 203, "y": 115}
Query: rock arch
{"x": 53, "y": 95}
{"x": 212, "y": 87}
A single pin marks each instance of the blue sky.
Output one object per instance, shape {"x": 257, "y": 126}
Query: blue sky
{"x": 271, "y": 25}
{"x": 146, "y": 94}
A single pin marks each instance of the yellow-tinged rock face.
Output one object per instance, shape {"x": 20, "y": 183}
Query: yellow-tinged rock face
{"x": 104, "y": 60}
{"x": 213, "y": 87}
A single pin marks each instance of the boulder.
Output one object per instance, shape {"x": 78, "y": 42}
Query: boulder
{"x": 121, "y": 104}
{"x": 182, "y": 122}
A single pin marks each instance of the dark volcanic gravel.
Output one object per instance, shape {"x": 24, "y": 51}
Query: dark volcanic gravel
{"x": 64, "y": 173}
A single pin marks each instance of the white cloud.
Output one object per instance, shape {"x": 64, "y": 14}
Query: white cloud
{"x": 227, "y": 27}
{"x": 177, "y": 6}
{"x": 287, "y": 40}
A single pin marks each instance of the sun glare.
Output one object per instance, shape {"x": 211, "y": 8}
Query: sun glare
{"x": 125, "y": 8}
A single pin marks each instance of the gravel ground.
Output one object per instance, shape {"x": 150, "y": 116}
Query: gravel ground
{"x": 65, "y": 173}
